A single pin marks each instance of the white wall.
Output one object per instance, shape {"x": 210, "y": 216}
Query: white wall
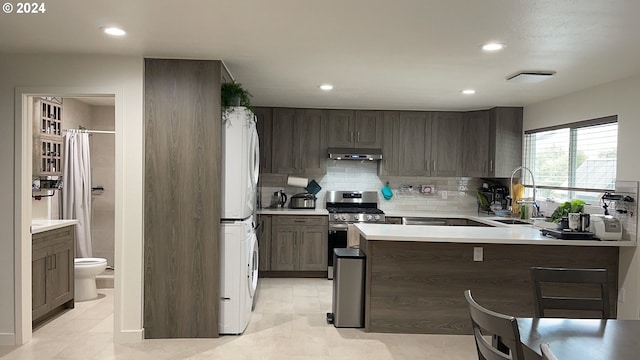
{"x": 73, "y": 75}
{"x": 616, "y": 98}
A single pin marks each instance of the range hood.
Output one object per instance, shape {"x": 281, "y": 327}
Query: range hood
{"x": 355, "y": 154}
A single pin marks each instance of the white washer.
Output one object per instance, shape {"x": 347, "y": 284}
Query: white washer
{"x": 238, "y": 275}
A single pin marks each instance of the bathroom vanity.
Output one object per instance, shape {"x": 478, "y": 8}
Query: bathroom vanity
{"x": 52, "y": 267}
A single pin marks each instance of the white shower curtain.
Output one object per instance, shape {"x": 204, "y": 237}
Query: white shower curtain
{"x": 76, "y": 188}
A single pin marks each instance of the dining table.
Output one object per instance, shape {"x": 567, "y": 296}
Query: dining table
{"x": 581, "y": 339}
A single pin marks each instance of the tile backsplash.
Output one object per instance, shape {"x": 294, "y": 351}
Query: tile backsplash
{"x": 448, "y": 195}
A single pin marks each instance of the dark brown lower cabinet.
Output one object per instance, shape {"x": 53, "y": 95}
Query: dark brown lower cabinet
{"x": 52, "y": 271}
{"x": 299, "y": 243}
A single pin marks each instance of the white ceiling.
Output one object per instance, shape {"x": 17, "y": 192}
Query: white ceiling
{"x": 379, "y": 54}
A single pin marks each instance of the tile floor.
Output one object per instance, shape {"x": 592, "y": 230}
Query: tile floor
{"x": 288, "y": 323}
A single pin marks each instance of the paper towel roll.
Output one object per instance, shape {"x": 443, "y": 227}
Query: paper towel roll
{"x": 297, "y": 181}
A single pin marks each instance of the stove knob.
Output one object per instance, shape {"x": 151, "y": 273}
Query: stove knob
{"x": 336, "y": 217}
{"x": 377, "y": 217}
{"x": 345, "y": 217}
{"x": 369, "y": 217}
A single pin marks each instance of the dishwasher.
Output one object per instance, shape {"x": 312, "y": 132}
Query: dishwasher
{"x": 424, "y": 221}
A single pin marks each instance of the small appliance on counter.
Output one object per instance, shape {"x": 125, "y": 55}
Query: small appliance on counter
{"x": 567, "y": 234}
{"x": 278, "y": 199}
{"x": 303, "y": 201}
{"x": 606, "y": 227}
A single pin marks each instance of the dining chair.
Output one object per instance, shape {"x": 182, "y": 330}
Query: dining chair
{"x": 502, "y": 328}
{"x": 547, "y": 354}
{"x": 544, "y": 301}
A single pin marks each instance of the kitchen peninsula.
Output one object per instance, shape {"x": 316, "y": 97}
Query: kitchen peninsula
{"x": 416, "y": 275}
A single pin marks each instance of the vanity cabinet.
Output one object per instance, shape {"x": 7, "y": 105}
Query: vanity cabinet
{"x": 52, "y": 271}
{"x": 299, "y": 243}
{"x": 354, "y": 128}
{"x": 299, "y": 142}
{"x": 47, "y": 138}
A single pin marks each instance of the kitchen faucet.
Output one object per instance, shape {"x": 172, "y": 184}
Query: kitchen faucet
{"x": 536, "y": 208}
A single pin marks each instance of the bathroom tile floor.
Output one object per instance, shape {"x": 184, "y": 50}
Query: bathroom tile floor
{"x": 288, "y": 324}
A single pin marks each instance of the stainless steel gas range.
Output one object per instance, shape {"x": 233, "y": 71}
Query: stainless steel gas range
{"x": 349, "y": 207}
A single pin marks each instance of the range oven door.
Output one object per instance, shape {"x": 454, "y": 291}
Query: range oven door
{"x": 337, "y": 239}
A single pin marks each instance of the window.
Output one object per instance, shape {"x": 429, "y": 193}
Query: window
{"x": 573, "y": 161}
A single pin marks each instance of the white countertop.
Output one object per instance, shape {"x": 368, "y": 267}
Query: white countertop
{"x": 501, "y": 234}
{"x": 38, "y": 226}
{"x": 287, "y": 211}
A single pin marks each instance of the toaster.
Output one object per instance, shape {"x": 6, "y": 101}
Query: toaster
{"x": 606, "y": 227}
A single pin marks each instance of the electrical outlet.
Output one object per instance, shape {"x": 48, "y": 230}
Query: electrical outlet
{"x": 444, "y": 195}
{"x": 477, "y": 254}
{"x": 621, "y": 296}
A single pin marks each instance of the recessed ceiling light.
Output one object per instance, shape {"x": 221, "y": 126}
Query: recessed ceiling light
{"x": 492, "y": 47}
{"x": 468, "y": 91}
{"x": 113, "y": 31}
{"x": 326, "y": 87}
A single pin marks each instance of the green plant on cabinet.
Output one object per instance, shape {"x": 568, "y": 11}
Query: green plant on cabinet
{"x": 232, "y": 95}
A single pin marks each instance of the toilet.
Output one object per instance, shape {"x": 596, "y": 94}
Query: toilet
{"x": 86, "y": 270}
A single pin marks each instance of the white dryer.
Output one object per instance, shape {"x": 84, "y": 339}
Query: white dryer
{"x": 240, "y": 164}
{"x": 238, "y": 275}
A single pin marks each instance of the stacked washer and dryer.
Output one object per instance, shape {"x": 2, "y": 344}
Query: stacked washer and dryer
{"x": 238, "y": 243}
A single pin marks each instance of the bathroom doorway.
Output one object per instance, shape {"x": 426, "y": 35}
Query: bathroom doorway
{"x": 94, "y": 114}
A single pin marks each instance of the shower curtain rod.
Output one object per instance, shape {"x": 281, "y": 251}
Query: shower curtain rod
{"x": 93, "y": 131}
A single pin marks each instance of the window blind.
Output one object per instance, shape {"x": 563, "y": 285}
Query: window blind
{"x": 577, "y": 161}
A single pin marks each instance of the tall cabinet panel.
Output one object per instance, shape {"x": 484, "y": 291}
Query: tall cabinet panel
{"x": 413, "y": 146}
{"x": 263, "y": 126}
{"x": 389, "y": 164}
{"x": 312, "y": 144}
{"x": 446, "y": 138}
{"x": 182, "y": 209}
{"x": 284, "y": 134}
{"x": 505, "y": 153}
{"x": 477, "y": 126}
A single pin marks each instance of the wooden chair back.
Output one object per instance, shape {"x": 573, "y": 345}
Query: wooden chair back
{"x": 542, "y": 302}
{"x": 503, "y": 329}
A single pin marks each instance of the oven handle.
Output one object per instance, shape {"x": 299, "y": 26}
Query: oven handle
{"x": 338, "y": 227}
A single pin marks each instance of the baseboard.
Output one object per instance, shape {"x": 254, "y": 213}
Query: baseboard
{"x": 293, "y": 274}
{"x": 7, "y": 339}
{"x": 129, "y": 336}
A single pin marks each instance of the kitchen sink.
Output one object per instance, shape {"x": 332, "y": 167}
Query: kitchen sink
{"x": 512, "y": 221}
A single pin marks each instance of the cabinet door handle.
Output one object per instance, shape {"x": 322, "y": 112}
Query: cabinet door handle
{"x": 490, "y": 165}
{"x": 427, "y": 165}
{"x": 434, "y": 165}
{"x": 47, "y": 262}
{"x": 55, "y": 261}
{"x": 358, "y": 136}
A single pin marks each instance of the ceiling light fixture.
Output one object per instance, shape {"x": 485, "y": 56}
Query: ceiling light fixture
{"x": 326, "y": 87}
{"x": 114, "y": 31}
{"x": 530, "y": 76}
{"x": 468, "y": 91}
{"x": 492, "y": 47}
